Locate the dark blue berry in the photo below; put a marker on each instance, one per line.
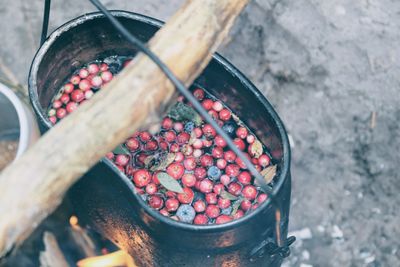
(214, 173)
(186, 213)
(189, 126)
(229, 128)
(226, 211)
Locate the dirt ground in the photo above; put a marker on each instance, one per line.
(332, 71)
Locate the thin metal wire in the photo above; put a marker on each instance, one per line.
(186, 93)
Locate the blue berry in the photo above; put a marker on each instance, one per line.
(229, 128)
(214, 173)
(186, 213)
(226, 211)
(189, 126)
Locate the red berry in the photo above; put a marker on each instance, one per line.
(167, 123)
(234, 189)
(264, 160)
(200, 219)
(121, 160)
(244, 177)
(84, 85)
(53, 119)
(209, 131)
(199, 94)
(75, 79)
(151, 188)
(221, 164)
(154, 178)
(245, 204)
(213, 114)
(207, 143)
(217, 106)
(151, 145)
(198, 132)
(170, 194)
(225, 114)
(188, 180)
(197, 153)
(230, 156)
(183, 138)
(220, 141)
(179, 157)
(83, 73)
(223, 219)
(197, 143)
(110, 155)
(175, 170)
(178, 126)
(250, 139)
(218, 188)
(224, 203)
(199, 205)
(211, 198)
(239, 143)
(145, 136)
(65, 98)
(174, 148)
(190, 164)
(241, 132)
(206, 186)
(240, 162)
(164, 212)
(171, 204)
(207, 104)
(217, 152)
(120, 168)
(88, 94)
(156, 202)
(225, 179)
(232, 170)
(132, 144)
(187, 196)
(103, 67)
(93, 68)
(200, 173)
(212, 211)
(141, 178)
(106, 76)
(163, 145)
(206, 161)
(238, 214)
(61, 113)
(71, 106)
(57, 104)
(170, 136)
(77, 95)
(262, 197)
(68, 88)
(96, 81)
(254, 206)
(249, 192)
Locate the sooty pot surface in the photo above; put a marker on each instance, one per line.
(105, 198)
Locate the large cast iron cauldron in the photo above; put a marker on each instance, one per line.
(106, 199)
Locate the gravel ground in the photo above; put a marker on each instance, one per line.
(331, 69)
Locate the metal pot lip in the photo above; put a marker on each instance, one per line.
(285, 170)
(23, 119)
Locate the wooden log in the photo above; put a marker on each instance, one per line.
(33, 186)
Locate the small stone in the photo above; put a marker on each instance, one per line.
(336, 232)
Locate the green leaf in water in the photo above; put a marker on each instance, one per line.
(181, 112)
(121, 150)
(227, 195)
(169, 183)
(236, 205)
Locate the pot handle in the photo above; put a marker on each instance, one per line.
(45, 23)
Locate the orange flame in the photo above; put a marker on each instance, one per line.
(115, 259)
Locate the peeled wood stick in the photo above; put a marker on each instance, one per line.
(33, 186)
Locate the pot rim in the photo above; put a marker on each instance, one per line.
(285, 169)
(23, 120)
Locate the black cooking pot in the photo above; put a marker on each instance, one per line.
(105, 198)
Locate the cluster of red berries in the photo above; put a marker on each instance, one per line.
(216, 186)
(82, 85)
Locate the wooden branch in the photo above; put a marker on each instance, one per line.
(33, 186)
(52, 255)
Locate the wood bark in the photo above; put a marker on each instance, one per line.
(34, 185)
